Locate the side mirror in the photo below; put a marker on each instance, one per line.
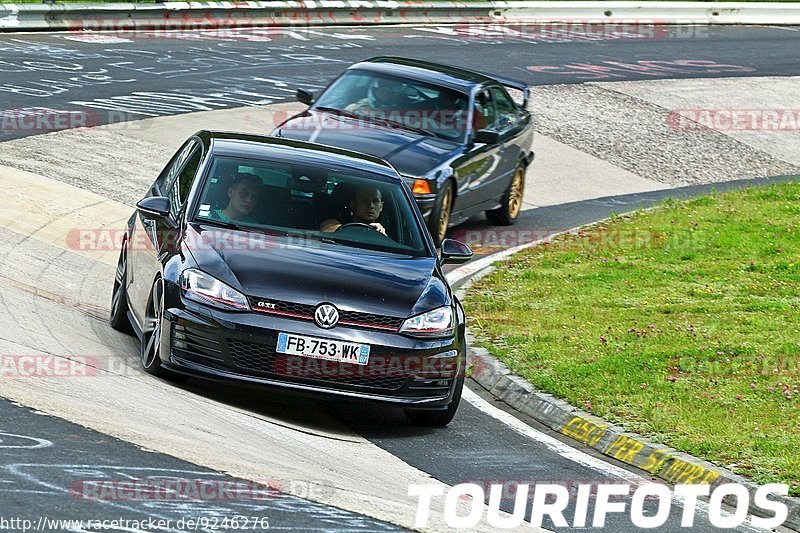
(154, 207)
(455, 252)
(486, 137)
(304, 96)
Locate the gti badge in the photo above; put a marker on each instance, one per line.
(326, 316)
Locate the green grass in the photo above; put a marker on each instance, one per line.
(681, 324)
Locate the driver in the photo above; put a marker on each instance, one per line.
(365, 208)
(379, 96)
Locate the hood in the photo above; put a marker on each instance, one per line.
(411, 153)
(272, 267)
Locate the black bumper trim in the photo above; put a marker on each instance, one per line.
(191, 368)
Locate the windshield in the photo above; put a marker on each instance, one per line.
(343, 207)
(439, 111)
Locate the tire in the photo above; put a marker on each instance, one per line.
(507, 213)
(438, 419)
(119, 297)
(151, 331)
(440, 217)
(151, 336)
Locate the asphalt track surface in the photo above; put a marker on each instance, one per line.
(124, 76)
(64, 472)
(128, 77)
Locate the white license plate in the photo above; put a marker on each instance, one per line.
(331, 350)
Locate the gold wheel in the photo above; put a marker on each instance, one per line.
(444, 214)
(515, 194)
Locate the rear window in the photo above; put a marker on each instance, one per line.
(341, 207)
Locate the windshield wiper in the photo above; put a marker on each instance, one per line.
(223, 224)
(337, 111)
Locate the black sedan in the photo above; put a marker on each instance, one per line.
(295, 266)
(457, 136)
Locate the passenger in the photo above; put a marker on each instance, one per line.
(365, 208)
(243, 196)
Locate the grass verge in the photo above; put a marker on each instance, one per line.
(681, 324)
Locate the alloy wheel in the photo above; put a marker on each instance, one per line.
(515, 194)
(444, 215)
(151, 338)
(119, 281)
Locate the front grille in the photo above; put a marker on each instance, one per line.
(196, 342)
(306, 312)
(263, 359)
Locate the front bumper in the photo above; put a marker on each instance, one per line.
(208, 343)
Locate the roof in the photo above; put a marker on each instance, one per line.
(254, 145)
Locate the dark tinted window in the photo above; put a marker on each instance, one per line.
(505, 107)
(181, 186)
(435, 109)
(338, 206)
(170, 174)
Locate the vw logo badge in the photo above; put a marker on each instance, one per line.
(326, 316)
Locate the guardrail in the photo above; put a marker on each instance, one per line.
(282, 13)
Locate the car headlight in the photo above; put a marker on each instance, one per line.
(436, 323)
(206, 289)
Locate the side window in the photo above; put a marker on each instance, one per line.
(506, 108)
(181, 186)
(485, 115)
(170, 174)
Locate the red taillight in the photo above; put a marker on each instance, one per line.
(421, 187)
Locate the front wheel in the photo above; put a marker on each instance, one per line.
(151, 336)
(429, 418)
(440, 217)
(511, 203)
(119, 298)
(151, 331)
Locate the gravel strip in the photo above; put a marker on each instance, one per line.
(635, 135)
(620, 129)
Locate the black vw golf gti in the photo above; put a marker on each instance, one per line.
(295, 266)
(459, 139)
